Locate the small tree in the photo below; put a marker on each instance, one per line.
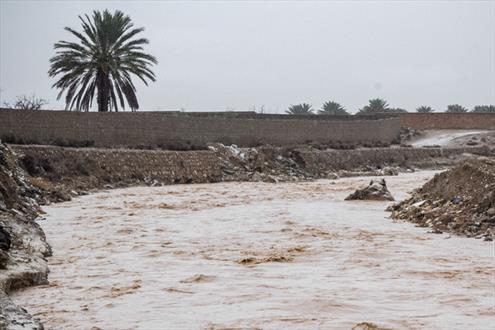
(332, 108)
(25, 102)
(484, 108)
(375, 106)
(456, 108)
(424, 109)
(300, 109)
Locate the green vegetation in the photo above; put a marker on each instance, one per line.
(424, 109)
(375, 106)
(300, 109)
(484, 108)
(332, 108)
(102, 62)
(397, 110)
(456, 108)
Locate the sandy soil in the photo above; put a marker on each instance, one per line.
(256, 255)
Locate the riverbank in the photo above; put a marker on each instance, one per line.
(61, 173)
(23, 246)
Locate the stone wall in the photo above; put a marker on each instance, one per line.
(183, 131)
(448, 120)
(94, 167)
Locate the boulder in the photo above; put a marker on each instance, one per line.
(376, 191)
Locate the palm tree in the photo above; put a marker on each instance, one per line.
(484, 108)
(102, 62)
(332, 108)
(424, 109)
(396, 110)
(456, 108)
(300, 109)
(375, 106)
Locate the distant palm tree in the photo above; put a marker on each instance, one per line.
(375, 106)
(484, 108)
(424, 109)
(396, 110)
(456, 108)
(300, 109)
(102, 62)
(332, 108)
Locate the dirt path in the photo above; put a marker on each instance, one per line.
(256, 255)
(448, 138)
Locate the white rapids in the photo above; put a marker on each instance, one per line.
(256, 255)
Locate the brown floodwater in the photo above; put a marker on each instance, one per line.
(256, 255)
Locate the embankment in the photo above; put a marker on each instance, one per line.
(23, 247)
(60, 172)
(460, 200)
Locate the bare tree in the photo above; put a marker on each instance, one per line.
(27, 102)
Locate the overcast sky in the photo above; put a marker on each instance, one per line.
(240, 55)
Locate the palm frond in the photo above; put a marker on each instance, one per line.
(103, 60)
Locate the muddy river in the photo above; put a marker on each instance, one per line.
(256, 255)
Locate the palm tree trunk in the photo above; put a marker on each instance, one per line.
(103, 90)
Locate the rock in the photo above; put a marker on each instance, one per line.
(256, 177)
(491, 211)
(23, 247)
(376, 190)
(270, 179)
(389, 171)
(4, 257)
(5, 239)
(456, 200)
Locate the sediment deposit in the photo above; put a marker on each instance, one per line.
(460, 200)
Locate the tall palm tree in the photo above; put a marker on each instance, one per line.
(101, 62)
(332, 108)
(300, 109)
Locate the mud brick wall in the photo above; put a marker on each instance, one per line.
(448, 120)
(182, 131)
